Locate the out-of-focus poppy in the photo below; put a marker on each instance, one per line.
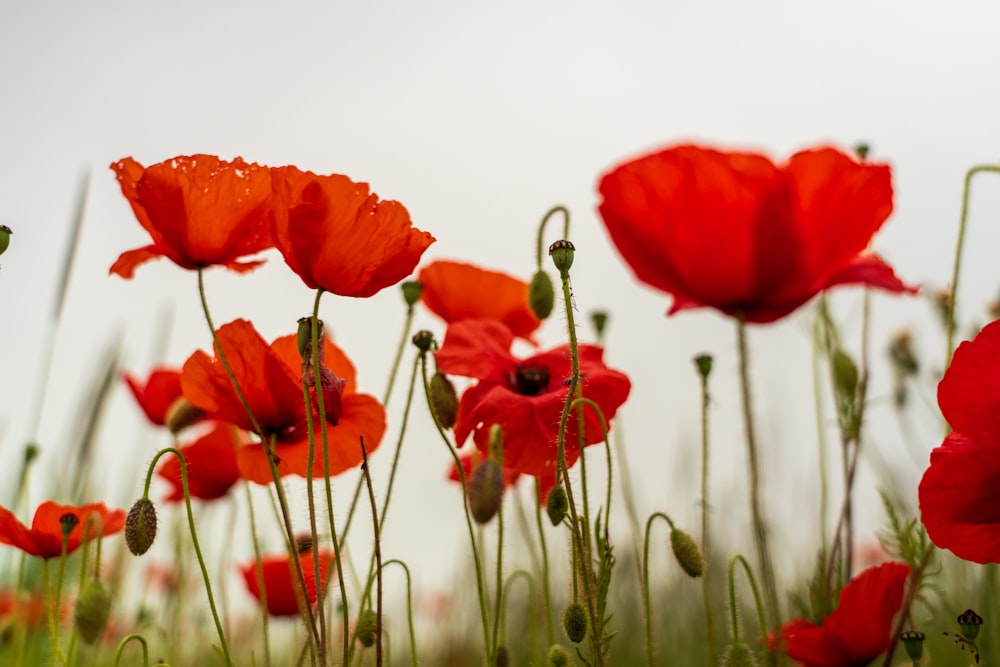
(456, 291)
(270, 377)
(199, 210)
(45, 537)
(211, 464)
(280, 580)
(338, 236)
(736, 232)
(471, 459)
(960, 491)
(158, 395)
(526, 396)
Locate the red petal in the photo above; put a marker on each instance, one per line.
(478, 349)
(16, 534)
(867, 606)
(969, 394)
(211, 465)
(161, 389)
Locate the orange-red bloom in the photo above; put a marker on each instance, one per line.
(455, 291)
(270, 377)
(339, 237)
(736, 232)
(199, 210)
(525, 396)
(45, 537)
(157, 394)
(211, 465)
(859, 629)
(280, 580)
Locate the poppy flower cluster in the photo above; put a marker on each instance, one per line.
(736, 232)
(960, 491)
(202, 211)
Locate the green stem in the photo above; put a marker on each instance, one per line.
(647, 607)
(259, 572)
(520, 574)
(706, 586)
(378, 558)
(409, 606)
(959, 246)
(142, 642)
(540, 242)
(546, 591)
(758, 603)
(824, 492)
(498, 600)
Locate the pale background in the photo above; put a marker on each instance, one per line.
(479, 117)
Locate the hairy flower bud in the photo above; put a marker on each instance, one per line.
(367, 627)
(541, 294)
(92, 611)
(485, 490)
(703, 362)
(557, 504)
(558, 656)
(140, 526)
(575, 622)
(686, 552)
(444, 400)
(738, 655)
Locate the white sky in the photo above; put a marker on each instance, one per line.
(479, 117)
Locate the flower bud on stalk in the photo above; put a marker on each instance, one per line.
(140, 526)
(412, 290)
(423, 339)
(92, 611)
(367, 627)
(686, 552)
(557, 504)
(558, 656)
(541, 294)
(738, 655)
(575, 622)
(444, 400)
(486, 491)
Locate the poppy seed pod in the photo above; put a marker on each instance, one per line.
(444, 400)
(541, 294)
(575, 622)
(970, 622)
(557, 504)
(5, 233)
(599, 319)
(367, 627)
(562, 253)
(92, 611)
(686, 552)
(738, 655)
(412, 290)
(423, 339)
(558, 656)
(913, 642)
(140, 526)
(485, 491)
(703, 362)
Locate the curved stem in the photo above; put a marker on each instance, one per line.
(540, 243)
(142, 642)
(758, 603)
(647, 607)
(522, 574)
(409, 606)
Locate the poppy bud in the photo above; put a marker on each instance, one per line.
(503, 659)
(485, 491)
(703, 362)
(92, 611)
(367, 627)
(140, 526)
(5, 233)
(913, 642)
(557, 504)
(599, 319)
(575, 622)
(562, 256)
(412, 290)
(970, 622)
(30, 452)
(845, 373)
(686, 552)
(738, 655)
(444, 400)
(541, 294)
(423, 340)
(181, 414)
(303, 336)
(558, 656)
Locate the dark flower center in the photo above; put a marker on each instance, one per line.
(531, 380)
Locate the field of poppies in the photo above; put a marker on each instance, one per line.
(272, 426)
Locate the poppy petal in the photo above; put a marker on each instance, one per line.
(969, 394)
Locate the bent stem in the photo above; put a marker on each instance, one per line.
(769, 657)
(409, 606)
(540, 241)
(520, 574)
(135, 636)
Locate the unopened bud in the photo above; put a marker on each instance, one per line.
(970, 623)
(367, 627)
(686, 552)
(181, 414)
(541, 294)
(412, 291)
(901, 354)
(423, 339)
(30, 453)
(140, 526)
(92, 611)
(599, 319)
(913, 642)
(562, 253)
(558, 656)
(485, 490)
(444, 400)
(557, 504)
(738, 655)
(575, 622)
(845, 373)
(495, 449)
(303, 336)
(5, 233)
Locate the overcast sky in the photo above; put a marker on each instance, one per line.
(478, 117)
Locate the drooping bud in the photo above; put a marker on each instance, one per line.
(5, 233)
(181, 414)
(703, 362)
(562, 253)
(558, 656)
(423, 339)
(485, 490)
(503, 659)
(970, 623)
(140, 526)
(444, 399)
(913, 642)
(541, 294)
(92, 611)
(412, 290)
(686, 552)
(367, 627)
(557, 504)
(738, 655)
(575, 622)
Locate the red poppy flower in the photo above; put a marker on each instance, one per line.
(470, 460)
(735, 232)
(859, 629)
(211, 465)
(157, 394)
(525, 396)
(270, 377)
(455, 291)
(339, 237)
(200, 211)
(960, 491)
(45, 536)
(279, 575)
